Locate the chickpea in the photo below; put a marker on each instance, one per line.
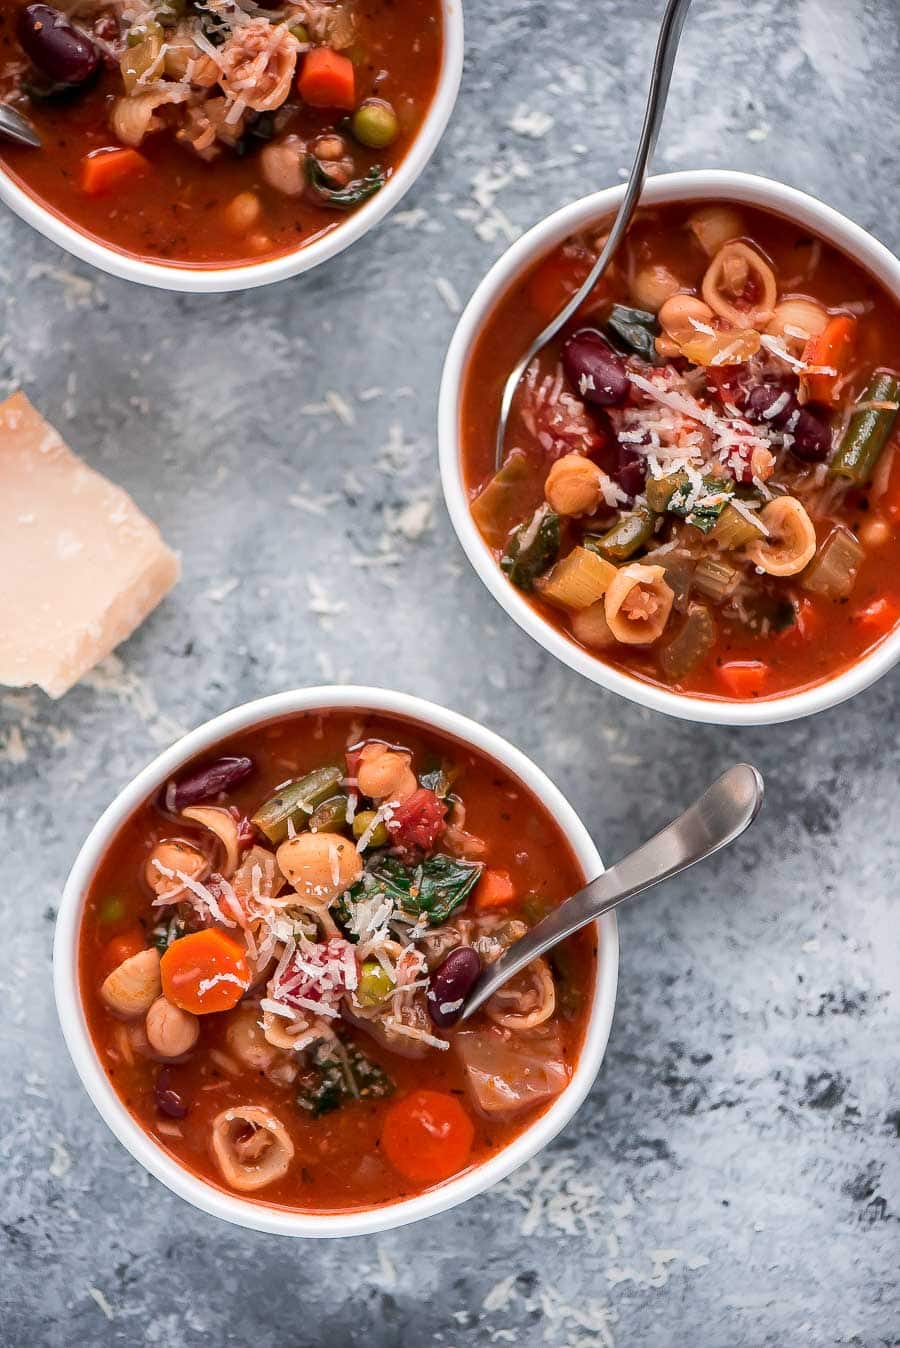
(385, 774)
(589, 626)
(653, 285)
(247, 1042)
(171, 854)
(242, 212)
(132, 988)
(283, 165)
(170, 1030)
(330, 148)
(874, 533)
(678, 317)
(574, 486)
(320, 865)
(801, 316)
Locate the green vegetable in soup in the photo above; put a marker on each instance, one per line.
(338, 1074)
(868, 432)
(330, 816)
(300, 32)
(833, 570)
(690, 644)
(164, 933)
(629, 533)
(363, 821)
(676, 494)
(375, 124)
(715, 578)
(506, 497)
(435, 888)
(296, 802)
(343, 198)
(112, 909)
(632, 330)
(532, 548)
(375, 984)
(733, 530)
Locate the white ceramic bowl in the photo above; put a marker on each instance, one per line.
(543, 237)
(216, 280)
(94, 1078)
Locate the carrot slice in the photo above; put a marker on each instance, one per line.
(833, 348)
(879, 616)
(204, 972)
(744, 678)
(494, 890)
(427, 1136)
(102, 171)
(327, 80)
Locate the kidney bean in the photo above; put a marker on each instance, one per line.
(55, 45)
(168, 1101)
(597, 372)
(762, 397)
(451, 983)
(207, 782)
(812, 438)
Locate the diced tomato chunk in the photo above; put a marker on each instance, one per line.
(744, 678)
(418, 822)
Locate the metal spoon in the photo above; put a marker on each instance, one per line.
(721, 814)
(16, 127)
(663, 61)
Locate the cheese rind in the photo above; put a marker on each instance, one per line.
(80, 565)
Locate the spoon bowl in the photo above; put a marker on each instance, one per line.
(17, 128)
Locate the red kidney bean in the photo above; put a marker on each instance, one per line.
(168, 1101)
(597, 372)
(812, 438)
(762, 397)
(451, 983)
(207, 782)
(55, 45)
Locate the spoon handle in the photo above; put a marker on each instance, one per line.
(17, 128)
(721, 814)
(660, 78)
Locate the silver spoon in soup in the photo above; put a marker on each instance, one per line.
(663, 61)
(724, 811)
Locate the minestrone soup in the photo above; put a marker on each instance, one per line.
(701, 483)
(275, 949)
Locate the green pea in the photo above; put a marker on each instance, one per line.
(300, 32)
(374, 123)
(379, 834)
(375, 984)
(112, 909)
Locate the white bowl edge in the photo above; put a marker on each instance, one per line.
(221, 280)
(77, 1036)
(692, 185)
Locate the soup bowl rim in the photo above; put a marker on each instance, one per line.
(670, 188)
(244, 276)
(257, 1215)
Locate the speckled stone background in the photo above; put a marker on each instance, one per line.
(733, 1178)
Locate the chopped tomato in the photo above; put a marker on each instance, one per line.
(879, 616)
(494, 890)
(327, 80)
(427, 1136)
(102, 171)
(744, 678)
(832, 348)
(205, 972)
(418, 821)
(121, 948)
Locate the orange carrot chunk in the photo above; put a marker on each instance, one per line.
(494, 890)
(102, 171)
(327, 80)
(833, 348)
(427, 1136)
(204, 972)
(744, 678)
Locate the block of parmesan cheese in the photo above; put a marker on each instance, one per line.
(80, 566)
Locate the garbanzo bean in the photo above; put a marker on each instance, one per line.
(385, 774)
(320, 865)
(574, 486)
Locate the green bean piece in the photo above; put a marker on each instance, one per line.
(733, 530)
(362, 821)
(296, 802)
(112, 909)
(693, 640)
(532, 548)
(375, 124)
(330, 816)
(868, 431)
(715, 578)
(660, 490)
(375, 984)
(628, 534)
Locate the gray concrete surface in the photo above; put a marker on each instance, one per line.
(733, 1178)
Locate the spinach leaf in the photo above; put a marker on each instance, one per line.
(343, 198)
(436, 887)
(336, 1076)
(632, 330)
(702, 516)
(531, 548)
